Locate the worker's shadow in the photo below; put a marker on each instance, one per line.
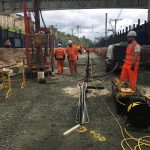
(51, 82)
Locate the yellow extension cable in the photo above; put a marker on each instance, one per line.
(140, 141)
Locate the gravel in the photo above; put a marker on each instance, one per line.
(35, 117)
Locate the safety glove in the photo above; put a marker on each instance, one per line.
(132, 66)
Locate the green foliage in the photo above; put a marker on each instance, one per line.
(63, 38)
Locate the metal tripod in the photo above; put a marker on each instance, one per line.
(89, 70)
(82, 114)
(88, 67)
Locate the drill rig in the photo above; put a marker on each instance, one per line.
(39, 41)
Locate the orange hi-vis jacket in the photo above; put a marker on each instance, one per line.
(72, 53)
(130, 54)
(59, 53)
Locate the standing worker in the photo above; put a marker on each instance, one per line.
(60, 57)
(72, 55)
(130, 68)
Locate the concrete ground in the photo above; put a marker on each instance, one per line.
(36, 117)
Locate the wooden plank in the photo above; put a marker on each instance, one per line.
(6, 66)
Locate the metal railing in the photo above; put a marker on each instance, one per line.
(143, 35)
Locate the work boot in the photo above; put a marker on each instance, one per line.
(124, 85)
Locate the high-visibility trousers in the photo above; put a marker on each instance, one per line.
(60, 66)
(129, 76)
(72, 66)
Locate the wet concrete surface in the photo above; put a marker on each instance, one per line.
(35, 118)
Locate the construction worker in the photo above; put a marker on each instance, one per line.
(60, 57)
(7, 44)
(130, 68)
(72, 55)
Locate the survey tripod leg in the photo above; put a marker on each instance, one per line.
(23, 78)
(82, 114)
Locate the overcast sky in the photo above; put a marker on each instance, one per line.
(92, 21)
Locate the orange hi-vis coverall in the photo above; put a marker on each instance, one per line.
(60, 57)
(72, 54)
(128, 75)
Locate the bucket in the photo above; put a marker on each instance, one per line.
(40, 75)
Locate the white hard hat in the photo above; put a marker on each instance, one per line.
(59, 44)
(69, 42)
(131, 33)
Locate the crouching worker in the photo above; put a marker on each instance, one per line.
(60, 57)
(129, 72)
(7, 44)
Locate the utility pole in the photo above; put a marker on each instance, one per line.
(72, 31)
(92, 33)
(148, 10)
(78, 26)
(106, 31)
(115, 20)
(92, 28)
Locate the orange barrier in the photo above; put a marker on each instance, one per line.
(101, 51)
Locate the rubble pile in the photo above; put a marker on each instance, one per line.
(74, 91)
(11, 56)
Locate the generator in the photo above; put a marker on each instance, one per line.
(115, 54)
(135, 106)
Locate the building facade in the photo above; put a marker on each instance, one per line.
(14, 22)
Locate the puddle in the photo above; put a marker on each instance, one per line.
(72, 91)
(91, 92)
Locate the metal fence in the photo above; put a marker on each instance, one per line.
(16, 39)
(143, 35)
